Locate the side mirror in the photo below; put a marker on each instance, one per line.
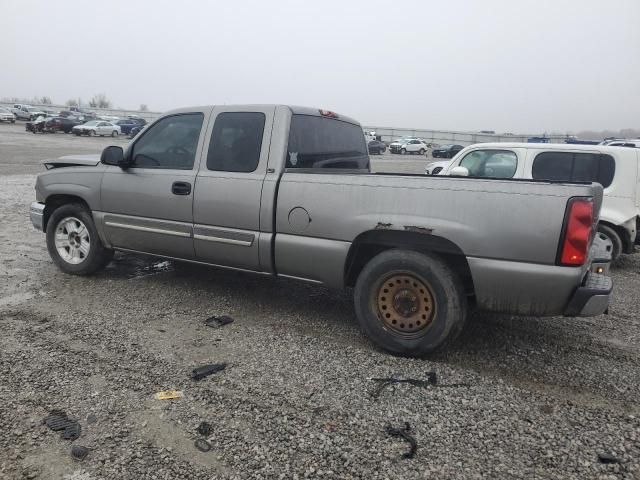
(113, 155)
(459, 172)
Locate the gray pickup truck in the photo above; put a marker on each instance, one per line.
(287, 191)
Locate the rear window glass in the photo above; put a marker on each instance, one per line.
(319, 143)
(574, 167)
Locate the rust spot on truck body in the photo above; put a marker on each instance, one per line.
(416, 229)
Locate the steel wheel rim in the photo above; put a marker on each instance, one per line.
(405, 304)
(72, 240)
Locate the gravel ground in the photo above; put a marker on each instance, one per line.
(527, 398)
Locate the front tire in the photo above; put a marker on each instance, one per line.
(403, 151)
(91, 133)
(422, 150)
(410, 303)
(612, 235)
(73, 242)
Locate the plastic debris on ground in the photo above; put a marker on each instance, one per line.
(204, 371)
(57, 420)
(404, 433)
(204, 429)
(218, 321)
(79, 452)
(169, 395)
(202, 445)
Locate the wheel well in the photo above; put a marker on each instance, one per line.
(55, 201)
(623, 234)
(369, 244)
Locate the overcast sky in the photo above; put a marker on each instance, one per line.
(504, 65)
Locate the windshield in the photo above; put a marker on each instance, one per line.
(446, 147)
(32, 109)
(92, 122)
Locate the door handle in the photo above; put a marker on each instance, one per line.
(181, 188)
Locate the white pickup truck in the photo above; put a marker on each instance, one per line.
(287, 191)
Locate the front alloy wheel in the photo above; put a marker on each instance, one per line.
(72, 240)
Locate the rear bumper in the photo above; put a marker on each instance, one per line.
(36, 212)
(592, 298)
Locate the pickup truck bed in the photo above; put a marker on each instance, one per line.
(287, 191)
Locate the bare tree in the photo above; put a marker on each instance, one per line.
(143, 107)
(100, 100)
(44, 100)
(73, 102)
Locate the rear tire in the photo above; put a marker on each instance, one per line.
(410, 303)
(612, 235)
(114, 133)
(73, 242)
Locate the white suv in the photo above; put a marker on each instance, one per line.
(414, 145)
(616, 168)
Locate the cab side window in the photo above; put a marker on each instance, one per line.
(236, 141)
(491, 163)
(170, 143)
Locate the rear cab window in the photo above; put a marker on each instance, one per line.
(574, 167)
(319, 143)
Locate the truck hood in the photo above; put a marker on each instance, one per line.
(87, 160)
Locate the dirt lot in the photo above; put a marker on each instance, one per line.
(516, 397)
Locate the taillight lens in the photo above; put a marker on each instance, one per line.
(578, 230)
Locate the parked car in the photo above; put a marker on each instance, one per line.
(127, 125)
(377, 147)
(288, 191)
(36, 125)
(60, 124)
(135, 131)
(410, 146)
(7, 115)
(633, 143)
(83, 113)
(434, 168)
(26, 112)
(137, 119)
(97, 127)
(616, 169)
(446, 151)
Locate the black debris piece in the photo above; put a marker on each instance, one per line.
(217, 322)
(404, 433)
(202, 445)
(430, 381)
(79, 452)
(200, 372)
(57, 420)
(72, 431)
(608, 458)
(204, 429)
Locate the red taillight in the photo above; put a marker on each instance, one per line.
(577, 234)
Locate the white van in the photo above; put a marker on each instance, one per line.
(616, 168)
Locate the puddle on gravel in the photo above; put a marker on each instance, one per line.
(131, 266)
